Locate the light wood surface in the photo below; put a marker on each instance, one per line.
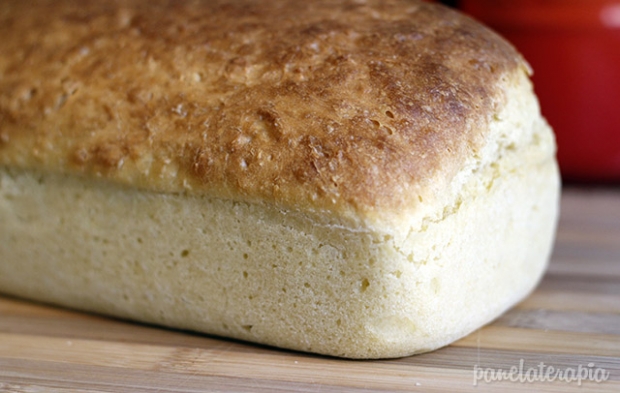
(571, 320)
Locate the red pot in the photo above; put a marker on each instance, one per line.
(574, 48)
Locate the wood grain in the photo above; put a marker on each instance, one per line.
(572, 320)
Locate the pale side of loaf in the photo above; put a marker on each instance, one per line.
(362, 179)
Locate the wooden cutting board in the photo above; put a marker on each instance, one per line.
(572, 320)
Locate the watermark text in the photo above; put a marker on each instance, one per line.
(541, 373)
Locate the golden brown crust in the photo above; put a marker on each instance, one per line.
(354, 105)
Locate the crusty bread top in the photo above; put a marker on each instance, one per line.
(333, 105)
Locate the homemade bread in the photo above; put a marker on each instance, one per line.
(362, 179)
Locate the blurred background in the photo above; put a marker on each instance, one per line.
(574, 48)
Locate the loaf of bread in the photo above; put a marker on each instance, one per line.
(357, 178)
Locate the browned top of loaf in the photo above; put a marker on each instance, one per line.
(354, 105)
